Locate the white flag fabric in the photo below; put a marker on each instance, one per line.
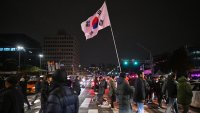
(96, 22)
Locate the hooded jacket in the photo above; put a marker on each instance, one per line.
(184, 94)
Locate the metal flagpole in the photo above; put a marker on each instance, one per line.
(115, 49)
(114, 43)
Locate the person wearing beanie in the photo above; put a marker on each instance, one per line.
(61, 98)
(12, 97)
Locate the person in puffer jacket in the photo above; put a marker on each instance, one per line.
(184, 94)
(61, 98)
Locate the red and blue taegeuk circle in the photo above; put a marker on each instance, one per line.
(95, 22)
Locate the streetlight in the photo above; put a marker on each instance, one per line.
(19, 48)
(40, 56)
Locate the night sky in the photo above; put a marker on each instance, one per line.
(158, 25)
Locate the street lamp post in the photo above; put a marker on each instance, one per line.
(19, 48)
(41, 56)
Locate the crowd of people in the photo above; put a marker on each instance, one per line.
(127, 90)
(58, 94)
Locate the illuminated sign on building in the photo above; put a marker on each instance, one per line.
(195, 75)
(7, 49)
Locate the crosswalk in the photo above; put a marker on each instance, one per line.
(88, 104)
(88, 107)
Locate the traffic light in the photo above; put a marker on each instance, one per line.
(125, 62)
(135, 63)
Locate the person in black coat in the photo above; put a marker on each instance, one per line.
(76, 86)
(171, 88)
(45, 87)
(23, 85)
(61, 98)
(140, 89)
(37, 90)
(158, 90)
(11, 97)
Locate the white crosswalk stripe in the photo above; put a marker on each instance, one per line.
(37, 101)
(86, 103)
(115, 110)
(93, 111)
(38, 107)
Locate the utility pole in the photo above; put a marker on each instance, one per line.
(150, 56)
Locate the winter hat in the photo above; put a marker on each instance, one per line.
(60, 76)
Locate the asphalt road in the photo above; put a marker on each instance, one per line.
(89, 105)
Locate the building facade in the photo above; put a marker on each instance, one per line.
(62, 51)
(194, 53)
(9, 53)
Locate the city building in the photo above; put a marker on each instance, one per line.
(162, 63)
(194, 53)
(10, 55)
(62, 51)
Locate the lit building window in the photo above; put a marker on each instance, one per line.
(6, 49)
(196, 52)
(1, 49)
(13, 49)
